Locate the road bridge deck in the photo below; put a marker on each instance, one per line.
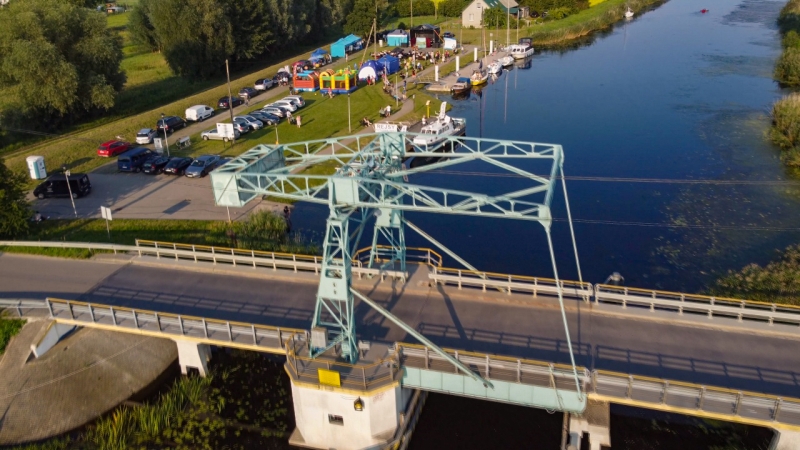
(491, 322)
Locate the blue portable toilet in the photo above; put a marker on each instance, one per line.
(391, 63)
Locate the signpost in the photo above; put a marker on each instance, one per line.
(159, 145)
(106, 213)
(69, 188)
(225, 130)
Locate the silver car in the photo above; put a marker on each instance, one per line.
(274, 111)
(146, 135)
(254, 123)
(201, 166)
(296, 100)
(286, 104)
(214, 135)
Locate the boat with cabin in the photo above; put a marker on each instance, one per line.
(439, 129)
(462, 84)
(521, 50)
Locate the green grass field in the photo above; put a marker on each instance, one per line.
(418, 20)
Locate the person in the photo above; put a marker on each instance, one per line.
(286, 212)
(298, 121)
(289, 116)
(246, 100)
(424, 121)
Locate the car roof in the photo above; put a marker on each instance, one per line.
(107, 143)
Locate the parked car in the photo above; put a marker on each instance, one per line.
(247, 92)
(199, 113)
(214, 135)
(221, 163)
(283, 108)
(449, 34)
(177, 166)
(267, 119)
(223, 102)
(263, 84)
(132, 160)
(296, 100)
(155, 164)
(170, 123)
(112, 148)
(274, 111)
(56, 186)
(285, 104)
(146, 135)
(254, 123)
(202, 165)
(241, 125)
(282, 77)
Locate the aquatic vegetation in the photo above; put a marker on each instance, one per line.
(785, 131)
(778, 281)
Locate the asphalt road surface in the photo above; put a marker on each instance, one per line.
(715, 357)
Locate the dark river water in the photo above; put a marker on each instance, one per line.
(677, 100)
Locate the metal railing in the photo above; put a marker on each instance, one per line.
(712, 307)
(510, 283)
(745, 312)
(740, 406)
(360, 376)
(418, 255)
(213, 331)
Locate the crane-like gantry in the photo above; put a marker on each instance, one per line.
(372, 182)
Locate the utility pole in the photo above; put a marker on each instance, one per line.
(164, 127)
(412, 18)
(349, 126)
(230, 102)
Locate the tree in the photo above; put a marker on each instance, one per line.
(141, 28)
(360, 19)
(57, 59)
(494, 18)
(14, 208)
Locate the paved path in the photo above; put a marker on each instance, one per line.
(490, 322)
(84, 376)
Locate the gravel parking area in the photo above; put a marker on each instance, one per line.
(142, 196)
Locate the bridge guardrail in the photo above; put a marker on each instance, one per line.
(419, 255)
(510, 283)
(741, 310)
(212, 331)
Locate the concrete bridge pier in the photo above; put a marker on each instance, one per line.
(785, 440)
(193, 355)
(596, 422)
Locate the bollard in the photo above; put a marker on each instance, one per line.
(475, 54)
(491, 47)
(436, 73)
(458, 63)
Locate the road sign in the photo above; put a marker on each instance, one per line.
(159, 145)
(225, 130)
(105, 212)
(329, 377)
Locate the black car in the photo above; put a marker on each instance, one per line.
(170, 123)
(449, 34)
(223, 102)
(247, 92)
(155, 164)
(56, 186)
(268, 119)
(177, 166)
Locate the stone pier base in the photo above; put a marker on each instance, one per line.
(785, 440)
(192, 355)
(596, 422)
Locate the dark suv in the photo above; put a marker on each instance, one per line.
(170, 123)
(56, 186)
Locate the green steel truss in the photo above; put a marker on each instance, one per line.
(371, 183)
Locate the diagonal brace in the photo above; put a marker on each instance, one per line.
(423, 339)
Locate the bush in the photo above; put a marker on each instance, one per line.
(559, 13)
(785, 130)
(789, 18)
(402, 26)
(791, 40)
(777, 282)
(787, 69)
(8, 329)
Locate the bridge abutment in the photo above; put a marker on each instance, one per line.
(193, 355)
(785, 440)
(595, 421)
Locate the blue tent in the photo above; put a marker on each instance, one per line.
(347, 44)
(373, 70)
(397, 38)
(391, 64)
(319, 52)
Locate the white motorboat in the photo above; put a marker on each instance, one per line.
(506, 61)
(628, 13)
(479, 76)
(494, 68)
(520, 51)
(439, 129)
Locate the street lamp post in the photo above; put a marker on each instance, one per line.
(349, 127)
(164, 127)
(69, 188)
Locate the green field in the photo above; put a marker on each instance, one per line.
(418, 20)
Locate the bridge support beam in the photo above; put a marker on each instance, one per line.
(328, 417)
(596, 422)
(785, 440)
(192, 355)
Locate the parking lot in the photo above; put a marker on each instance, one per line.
(142, 196)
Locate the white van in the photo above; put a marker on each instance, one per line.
(199, 113)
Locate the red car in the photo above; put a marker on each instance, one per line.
(113, 148)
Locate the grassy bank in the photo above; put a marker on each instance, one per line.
(785, 130)
(261, 231)
(787, 68)
(244, 403)
(8, 329)
(778, 281)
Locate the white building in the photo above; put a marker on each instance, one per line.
(472, 14)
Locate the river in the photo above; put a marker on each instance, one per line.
(675, 98)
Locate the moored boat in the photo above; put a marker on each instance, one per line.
(506, 61)
(520, 51)
(439, 129)
(462, 84)
(479, 76)
(495, 68)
